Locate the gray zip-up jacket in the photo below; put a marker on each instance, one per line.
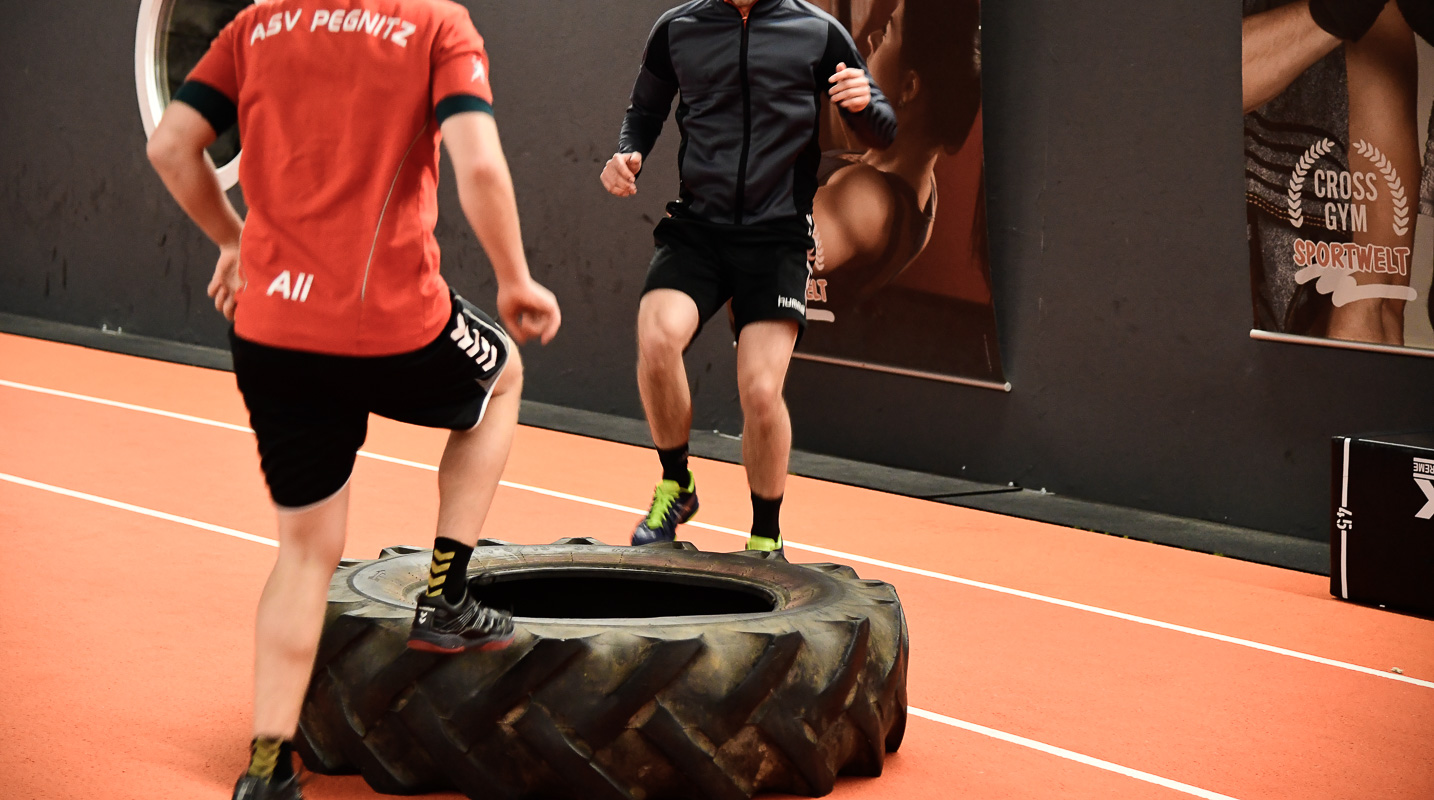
(750, 98)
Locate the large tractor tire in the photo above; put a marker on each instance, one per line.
(638, 673)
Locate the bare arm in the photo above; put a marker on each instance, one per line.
(853, 212)
(1383, 76)
(177, 152)
(1276, 47)
(485, 190)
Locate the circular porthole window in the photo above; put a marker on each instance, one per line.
(171, 38)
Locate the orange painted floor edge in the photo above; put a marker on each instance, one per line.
(1154, 700)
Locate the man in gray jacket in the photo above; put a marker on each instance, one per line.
(749, 76)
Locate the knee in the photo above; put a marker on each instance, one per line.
(318, 548)
(322, 554)
(661, 338)
(512, 378)
(761, 398)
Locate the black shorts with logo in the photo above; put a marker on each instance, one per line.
(763, 269)
(309, 411)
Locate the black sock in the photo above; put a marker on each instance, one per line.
(674, 464)
(765, 515)
(271, 758)
(448, 574)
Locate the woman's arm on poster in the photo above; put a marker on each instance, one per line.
(1383, 81)
(854, 213)
(1277, 46)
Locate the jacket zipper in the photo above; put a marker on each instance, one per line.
(746, 124)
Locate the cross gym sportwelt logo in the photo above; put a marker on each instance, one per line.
(1346, 196)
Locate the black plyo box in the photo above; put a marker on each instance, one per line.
(1382, 521)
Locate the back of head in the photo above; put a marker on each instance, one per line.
(941, 42)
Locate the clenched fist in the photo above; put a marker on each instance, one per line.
(529, 311)
(620, 175)
(852, 89)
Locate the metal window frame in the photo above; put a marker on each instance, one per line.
(150, 78)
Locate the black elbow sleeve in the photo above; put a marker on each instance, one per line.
(216, 108)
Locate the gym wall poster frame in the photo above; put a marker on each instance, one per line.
(1339, 183)
(901, 274)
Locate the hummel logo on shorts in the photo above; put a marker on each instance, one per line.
(792, 303)
(472, 342)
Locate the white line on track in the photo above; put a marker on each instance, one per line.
(148, 512)
(837, 554)
(213, 423)
(1068, 754)
(972, 727)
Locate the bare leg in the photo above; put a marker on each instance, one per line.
(291, 609)
(474, 460)
(666, 322)
(764, 351)
(291, 612)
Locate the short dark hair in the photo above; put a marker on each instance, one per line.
(941, 42)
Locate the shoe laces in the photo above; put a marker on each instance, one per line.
(663, 499)
(479, 617)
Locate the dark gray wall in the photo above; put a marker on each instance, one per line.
(1116, 192)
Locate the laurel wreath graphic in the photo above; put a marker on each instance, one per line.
(1317, 151)
(1391, 179)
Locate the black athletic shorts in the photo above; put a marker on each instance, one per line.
(763, 268)
(309, 411)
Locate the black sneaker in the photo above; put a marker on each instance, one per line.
(672, 505)
(254, 787)
(442, 628)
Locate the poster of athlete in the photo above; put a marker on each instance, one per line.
(1339, 186)
(900, 277)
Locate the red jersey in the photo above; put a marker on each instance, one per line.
(338, 108)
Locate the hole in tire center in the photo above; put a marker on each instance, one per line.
(618, 596)
(192, 27)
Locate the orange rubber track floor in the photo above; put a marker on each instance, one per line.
(1047, 662)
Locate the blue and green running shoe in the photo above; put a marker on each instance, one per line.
(672, 505)
(768, 545)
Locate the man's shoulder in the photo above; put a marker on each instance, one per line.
(245, 15)
(436, 9)
(683, 10)
(805, 8)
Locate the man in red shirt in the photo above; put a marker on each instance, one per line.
(339, 310)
